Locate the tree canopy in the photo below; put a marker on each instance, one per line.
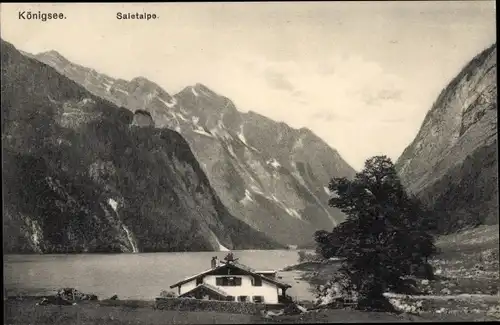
(385, 235)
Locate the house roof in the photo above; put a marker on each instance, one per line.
(236, 266)
(208, 287)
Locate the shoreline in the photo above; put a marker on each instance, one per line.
(310, 265)
(141, 253)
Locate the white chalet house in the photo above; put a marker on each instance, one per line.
(232, 281)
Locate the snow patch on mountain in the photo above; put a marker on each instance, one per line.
(182, 117)
(293, 213)
(248, 198)
(195, 119)
(273, 162)
(231, 151)
(194, 92)
(255, 189)
(122, 91)
(201, 131)
(107, 86)
(113, 204)
(169, 104)
(241, 136)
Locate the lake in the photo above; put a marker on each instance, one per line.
(132, 276)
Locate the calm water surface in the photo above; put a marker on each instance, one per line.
(132, 276)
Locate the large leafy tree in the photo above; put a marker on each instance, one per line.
(385, 236)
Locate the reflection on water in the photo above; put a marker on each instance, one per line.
(132, 276)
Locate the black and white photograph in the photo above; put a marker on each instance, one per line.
(249, 162)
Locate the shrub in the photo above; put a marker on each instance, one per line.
(308, 257)
(168, 294)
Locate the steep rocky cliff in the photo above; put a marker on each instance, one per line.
(269, 175)
(452, 164)
(83, 175)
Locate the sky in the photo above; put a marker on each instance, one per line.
(361, 75)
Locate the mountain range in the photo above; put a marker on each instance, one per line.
(269, 175)
(97, 164)
(81, 174)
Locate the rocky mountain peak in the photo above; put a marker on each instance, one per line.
(142, 84)
(57, 59)
(201, 87)
(53, 54)
(198, 90)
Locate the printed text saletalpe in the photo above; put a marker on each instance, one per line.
(135, 16)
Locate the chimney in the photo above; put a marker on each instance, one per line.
(216, 261)
(212, 262)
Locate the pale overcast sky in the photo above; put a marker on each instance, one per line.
(360, 75)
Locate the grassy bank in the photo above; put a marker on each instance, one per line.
(142, 312)
(111, 312)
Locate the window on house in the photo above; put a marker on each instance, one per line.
(199, 281)
(258, 299)
(257, 282)
(230, 298)
(228, 281)
(242, 298)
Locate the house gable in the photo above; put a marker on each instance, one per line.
(230, 269)
(204, 291)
